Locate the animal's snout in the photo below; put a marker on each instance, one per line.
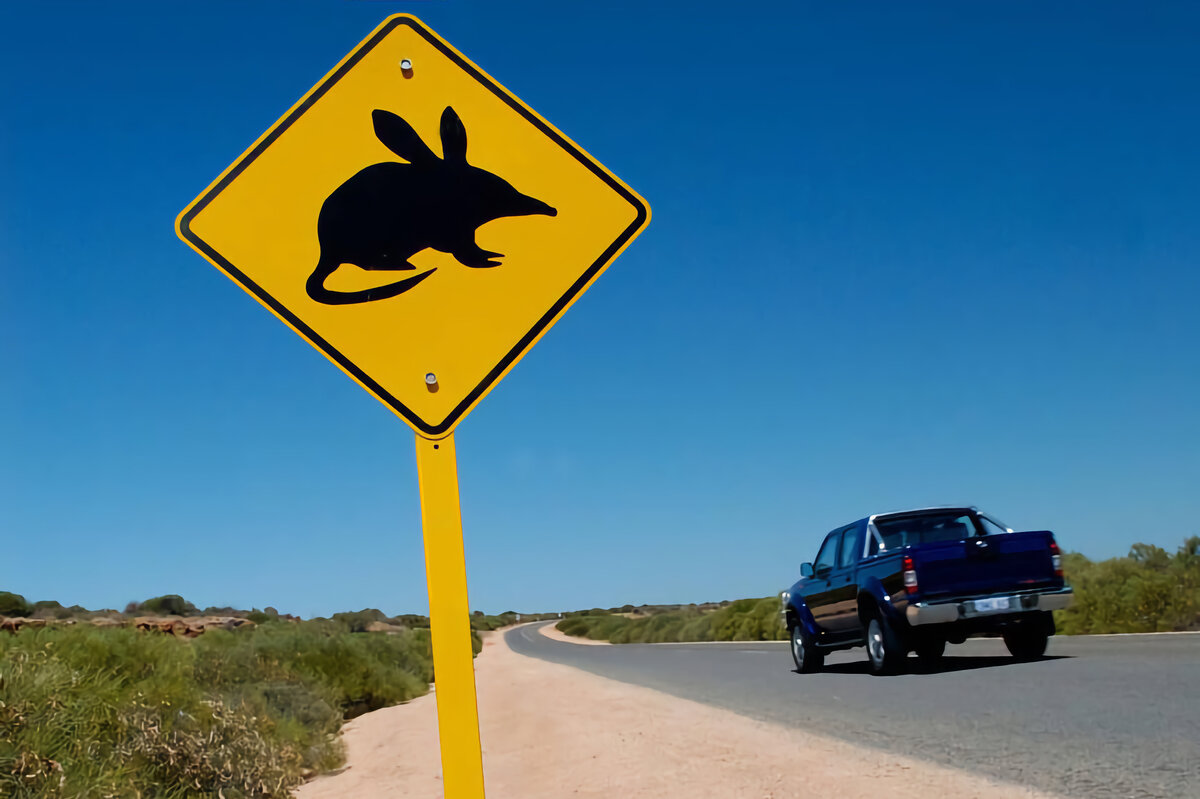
(532, 206)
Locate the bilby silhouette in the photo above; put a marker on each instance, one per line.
(387, 212)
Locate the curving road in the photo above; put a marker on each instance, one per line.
(1100, 718)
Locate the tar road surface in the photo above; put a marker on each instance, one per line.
(1100, 717)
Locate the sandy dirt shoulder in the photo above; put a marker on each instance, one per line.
(551, 731)
(550, 632)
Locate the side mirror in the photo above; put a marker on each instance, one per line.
(806, 570)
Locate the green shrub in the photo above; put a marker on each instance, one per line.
(480, 621)
(168, 605)
(743, 620)
(1149, 590)
(358, 621)
(574, 625)
(14, 605)
(87, 712)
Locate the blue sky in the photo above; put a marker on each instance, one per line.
(901, 254)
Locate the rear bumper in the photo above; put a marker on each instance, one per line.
(921, 613)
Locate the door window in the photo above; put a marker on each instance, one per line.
(827, 557)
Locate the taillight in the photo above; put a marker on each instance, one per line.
(910, 576)
(1056, 559)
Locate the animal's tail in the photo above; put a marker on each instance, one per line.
(316, 287)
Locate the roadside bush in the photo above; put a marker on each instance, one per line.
(482, 622)
(113, 713)
(88, 712)
(357, 622)
(743, 620)
(1149, 590)
(574, 625)
(167, 605)
(592, 612)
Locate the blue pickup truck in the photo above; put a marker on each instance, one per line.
(917, 580)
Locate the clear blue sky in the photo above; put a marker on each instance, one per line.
(901, 254)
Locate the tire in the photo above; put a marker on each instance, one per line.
(930, 651)
(805, 654)
(885, 652)
(1026, 641)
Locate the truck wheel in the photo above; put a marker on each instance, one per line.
(930, 650)
(1026, 641)
(884, 650)
(805, 653)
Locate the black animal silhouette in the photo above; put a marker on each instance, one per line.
(387, 212)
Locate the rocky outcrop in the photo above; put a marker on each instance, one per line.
(189, 626)
(181, 626)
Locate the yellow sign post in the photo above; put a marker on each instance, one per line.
(450, 619)
(423, 228)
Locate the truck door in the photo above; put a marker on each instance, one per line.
(816, 589)
(843, 584)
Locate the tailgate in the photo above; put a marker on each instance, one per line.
(993, 564)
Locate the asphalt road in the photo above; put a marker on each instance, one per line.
(1099, 718)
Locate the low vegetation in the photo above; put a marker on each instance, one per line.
(166, 700)
(90, 711)
(742, 620)
(1149, 590)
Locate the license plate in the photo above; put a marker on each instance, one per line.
(991, 604)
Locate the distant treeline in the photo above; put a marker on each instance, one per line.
(741, 620)
(370, 620)
(1149, 590)
(15, 605)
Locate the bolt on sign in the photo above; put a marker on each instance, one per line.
(416, 222)
(423, 228)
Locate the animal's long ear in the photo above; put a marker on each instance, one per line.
(454, 137)
(400, 138)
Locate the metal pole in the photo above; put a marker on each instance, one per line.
(449, 620)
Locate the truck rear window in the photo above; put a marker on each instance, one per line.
(901, 531)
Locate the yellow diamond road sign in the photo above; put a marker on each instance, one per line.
(415, 222)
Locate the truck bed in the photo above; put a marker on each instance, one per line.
(992, 564)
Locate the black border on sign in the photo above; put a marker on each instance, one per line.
(323, 345)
